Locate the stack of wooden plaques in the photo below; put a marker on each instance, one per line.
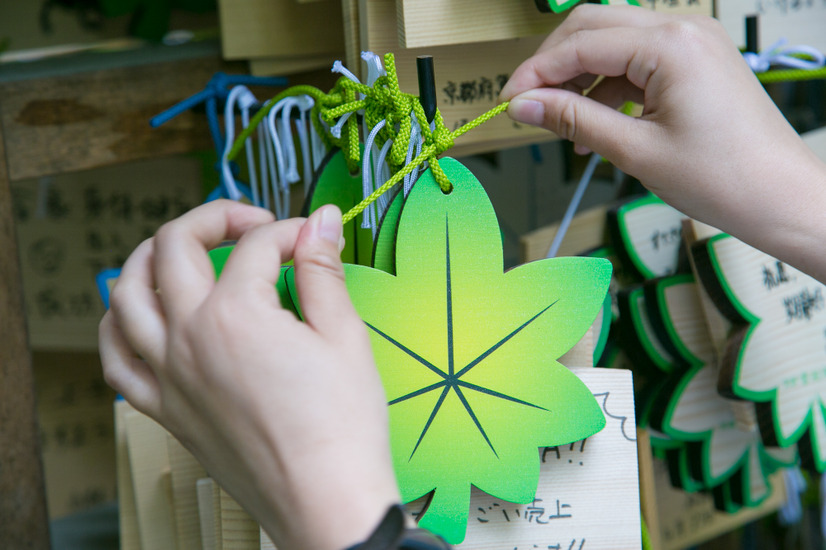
(476, 45)
(709, 473)
(588, 491)
(726, 346)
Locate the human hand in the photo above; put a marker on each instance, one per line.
(710, 141)
(289, 417)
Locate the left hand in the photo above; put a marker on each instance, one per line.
(289, 417)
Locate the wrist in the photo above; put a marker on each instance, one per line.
(392, 533)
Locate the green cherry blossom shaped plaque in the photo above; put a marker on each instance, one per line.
(468, 353)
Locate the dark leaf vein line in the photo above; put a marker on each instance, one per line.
(502, 342)
(450, 365)
(430, 420)
(407, 350)
(494, 393)
(475, 420)
(418, 392)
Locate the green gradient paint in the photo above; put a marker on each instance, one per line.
(468, 353)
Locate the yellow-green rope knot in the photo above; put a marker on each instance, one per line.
(382, 101)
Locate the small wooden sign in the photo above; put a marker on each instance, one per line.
(469, 77)
(72, 226)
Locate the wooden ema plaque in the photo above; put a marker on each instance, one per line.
(587, 497)
(774, 309)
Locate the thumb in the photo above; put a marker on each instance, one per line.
(319, 273)
(585, 121)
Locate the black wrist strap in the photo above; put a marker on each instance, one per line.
(391, 534)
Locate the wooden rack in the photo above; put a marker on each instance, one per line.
(56, 124)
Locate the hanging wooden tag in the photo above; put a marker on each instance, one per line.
(455, 398)
(775, 355)
(646, 233)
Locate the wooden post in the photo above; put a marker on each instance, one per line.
(23, 517)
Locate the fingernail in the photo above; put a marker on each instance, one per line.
(527, 111)
(581, 150)
(328, 224)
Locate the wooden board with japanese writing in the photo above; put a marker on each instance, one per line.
(468, 77)
(77, 433)
(430, 23)
(72, 226)
(588, 494)
(682, 7)
(775, 308)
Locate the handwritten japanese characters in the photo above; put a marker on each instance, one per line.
(564, 513)
(72, 226)
(776, 353)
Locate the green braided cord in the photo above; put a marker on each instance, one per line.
(394, 179)
(383, 101)
(790, 75)
(429, 153)
(646, 536)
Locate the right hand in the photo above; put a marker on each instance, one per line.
(710, 141)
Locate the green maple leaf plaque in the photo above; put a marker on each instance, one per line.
(775, 354)
(720, 450)
(468, 353)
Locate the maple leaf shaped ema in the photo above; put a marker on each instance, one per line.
(468, 354)
(775, 355)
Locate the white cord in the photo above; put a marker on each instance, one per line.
(244, 97)
(574, 204)
(368, 220)
(778, 55)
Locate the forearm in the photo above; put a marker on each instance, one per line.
(779, 207)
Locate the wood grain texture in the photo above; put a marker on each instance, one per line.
(429, 23)
(94, 119)
(350, 18)
(686, 519)
(23, 514)
(266, 542)
(264, 28)
(151, 480)
(288, 65)
(238, 530)
(587, 231)
(468, 77)
(208, 501)
(186, 471)
(130, 538)
(775, 309)
(648, 491)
